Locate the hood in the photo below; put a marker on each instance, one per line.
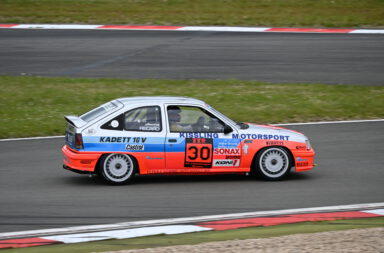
(268, 132)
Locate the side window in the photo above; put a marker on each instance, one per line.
(147, 119)
(193, 119)
(114, 124)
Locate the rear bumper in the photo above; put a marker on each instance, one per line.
(304, 160)
(81, 162)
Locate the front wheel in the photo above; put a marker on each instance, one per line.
(117, 168)
(272, 163)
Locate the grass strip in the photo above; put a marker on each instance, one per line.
(35, 106)
(307, 13)
(202, 237)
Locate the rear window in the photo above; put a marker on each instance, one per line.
(97, 112)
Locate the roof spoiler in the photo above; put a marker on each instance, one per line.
(76, 121)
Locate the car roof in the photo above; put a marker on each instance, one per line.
(160, 100)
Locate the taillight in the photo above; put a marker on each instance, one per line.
(79, 141)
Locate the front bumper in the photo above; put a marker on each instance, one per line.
(82, 162)
(304, 160)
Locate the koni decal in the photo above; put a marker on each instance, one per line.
(226, 163)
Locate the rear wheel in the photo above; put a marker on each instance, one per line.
(117, 168)
(272, 163)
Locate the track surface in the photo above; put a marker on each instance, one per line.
(35, 192)
(273, 57)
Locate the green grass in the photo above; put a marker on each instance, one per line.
(35, 106)
(202, 237)
(307, 13)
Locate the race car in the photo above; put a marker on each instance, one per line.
(177, 135)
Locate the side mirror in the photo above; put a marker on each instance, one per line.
(227, 129)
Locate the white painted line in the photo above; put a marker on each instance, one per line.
(284, 124)
(367, 31)
(376, 211)
(54, 26)
(126, 233)
(223, 29)
(187, 220)
(329, 122)
(33, 138)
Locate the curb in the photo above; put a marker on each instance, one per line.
(193, 28)
(187, 225)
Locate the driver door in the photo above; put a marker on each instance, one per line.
(196, 142)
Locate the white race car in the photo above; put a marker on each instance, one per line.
(177, 135)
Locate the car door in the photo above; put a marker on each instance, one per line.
(196, 142)
(139, 132)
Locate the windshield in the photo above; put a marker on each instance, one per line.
(239, 124)
(222, 115)
(95, 113)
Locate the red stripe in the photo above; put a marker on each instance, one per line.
(312, 30)
(286, 219)
(7, 25)
(25, 242)
(141, 27)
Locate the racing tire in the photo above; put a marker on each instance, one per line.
(272, 164)
(117, 168)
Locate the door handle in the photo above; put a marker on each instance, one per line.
(172, 140)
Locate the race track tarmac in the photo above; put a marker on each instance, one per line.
(271, 57)
(35, 192)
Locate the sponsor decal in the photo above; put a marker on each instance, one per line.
(135, 147)
(198, 152)
(274, 143)
(261, 137)
(301, 147)
(226, 163)
(153, 158)
(227, 151)
(123, 139)
(302, 164)
(245, 149)
(226, 143)
(153, 128)
(173, 171)
(248, 141)
(299, 159)
(232, 157)
(199, 135)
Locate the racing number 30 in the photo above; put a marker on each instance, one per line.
(203, 154)
(198, 152)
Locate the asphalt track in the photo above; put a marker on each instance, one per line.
(272, 57)
(35, 192)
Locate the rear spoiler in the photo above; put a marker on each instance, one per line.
(76, 121)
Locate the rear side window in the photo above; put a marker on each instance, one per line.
(97, 112)
(143, 119)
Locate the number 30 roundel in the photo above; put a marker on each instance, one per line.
(198, 153)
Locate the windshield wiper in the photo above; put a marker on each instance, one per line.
(242, 125)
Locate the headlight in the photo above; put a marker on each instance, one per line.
(308, 144)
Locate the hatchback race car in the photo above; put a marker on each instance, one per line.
(177, 135)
